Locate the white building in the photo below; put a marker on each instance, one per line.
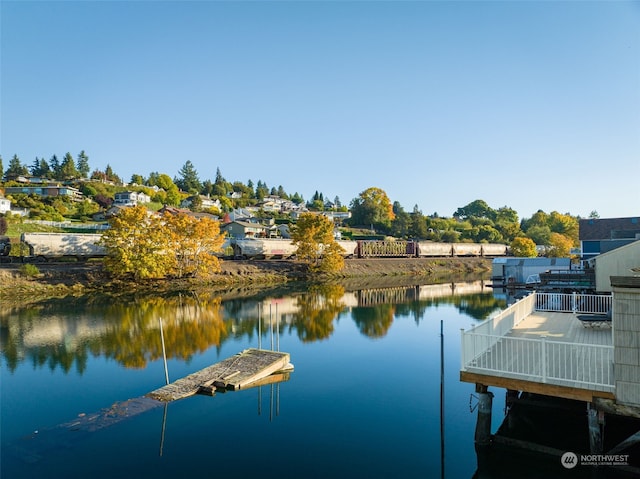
(5, 205)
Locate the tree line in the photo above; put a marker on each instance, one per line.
(371, 210)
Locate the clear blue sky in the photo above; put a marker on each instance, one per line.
(530, 105)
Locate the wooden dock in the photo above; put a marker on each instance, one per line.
(237, 372)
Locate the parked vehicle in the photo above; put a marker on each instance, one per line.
(5, 245)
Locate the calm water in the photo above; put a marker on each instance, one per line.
(364, 400)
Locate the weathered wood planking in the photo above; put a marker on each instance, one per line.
(233, 373)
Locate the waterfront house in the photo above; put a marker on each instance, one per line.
(562, 347)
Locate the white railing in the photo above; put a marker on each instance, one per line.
(486, 348)
(585, 366)
(573, 303)
(487, 333)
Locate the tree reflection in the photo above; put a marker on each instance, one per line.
(126, 331)
(375, 321)
(66, 333)
(190, 324)
(317, 310)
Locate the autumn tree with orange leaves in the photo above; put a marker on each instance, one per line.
(144, 245)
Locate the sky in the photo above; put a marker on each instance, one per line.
(532, 105)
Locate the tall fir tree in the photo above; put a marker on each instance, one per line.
(83, 165)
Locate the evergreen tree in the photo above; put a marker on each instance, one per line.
(54, 167)
(1, 169)
(207, 187)
(137, 179)
(262, 190)
(401, 223)
(83, 165)
(34, 169)
(110, 175)
(188, 179)
(16, 168)
(219, 178)
(297, 198)
(68, 169)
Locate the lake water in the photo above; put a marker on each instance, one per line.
(375, 392)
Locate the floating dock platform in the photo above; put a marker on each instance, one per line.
(237, 372)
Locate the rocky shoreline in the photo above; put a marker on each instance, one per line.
(63, 279)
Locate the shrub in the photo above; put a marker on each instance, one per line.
(29, 270)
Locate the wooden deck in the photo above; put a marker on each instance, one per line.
(548, 353)
(237, 372)
(560, 327)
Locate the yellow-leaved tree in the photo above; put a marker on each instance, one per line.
(313, 234)
(559, 246)
(195, 242)
(523, 247)
(144, 245)
(137, 245)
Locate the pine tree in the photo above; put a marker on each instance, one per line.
(83, 165)
(16, 168)
(188, 180)
(68, 169)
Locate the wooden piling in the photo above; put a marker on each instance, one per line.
(483, 424)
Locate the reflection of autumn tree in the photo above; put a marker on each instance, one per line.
(317, 310)
(375, 321)
(190, 326)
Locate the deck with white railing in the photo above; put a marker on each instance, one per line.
(539, 345)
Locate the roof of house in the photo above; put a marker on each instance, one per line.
(176, 211)
(245, 224)
(592, 229)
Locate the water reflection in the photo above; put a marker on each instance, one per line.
(65, 333)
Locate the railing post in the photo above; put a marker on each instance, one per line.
(543, 358)
(462, 350)
(574, 302)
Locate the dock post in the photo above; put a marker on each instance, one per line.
(483, 424)
(595, 433)
(164, 353)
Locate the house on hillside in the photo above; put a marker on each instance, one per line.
(600, 235)
(172, 210)
(205, 201)
(46, 191)
(130, 198)
(245, 229)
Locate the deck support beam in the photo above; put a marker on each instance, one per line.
(483, 424)
(628, 442)
(595, 422)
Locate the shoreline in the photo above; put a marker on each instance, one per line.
(57, 280)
